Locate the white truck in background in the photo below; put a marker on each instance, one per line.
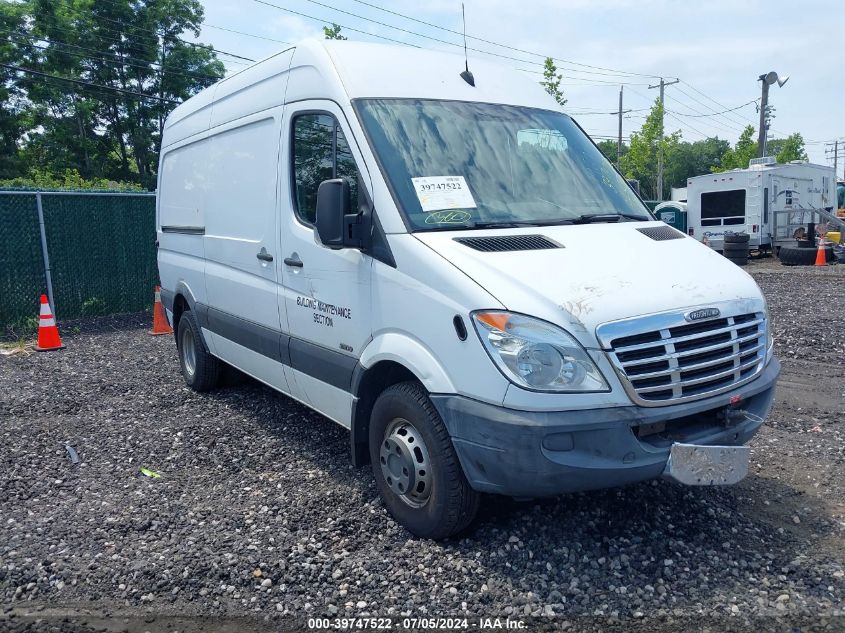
(769, 201)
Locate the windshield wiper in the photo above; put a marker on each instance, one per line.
(589, 218)
(512, 225)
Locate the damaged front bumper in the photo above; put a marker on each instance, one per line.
(545, 453)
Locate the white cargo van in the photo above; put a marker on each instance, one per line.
(445, 264)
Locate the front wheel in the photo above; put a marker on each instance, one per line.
(415, 466)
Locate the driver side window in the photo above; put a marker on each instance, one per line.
(320, 152)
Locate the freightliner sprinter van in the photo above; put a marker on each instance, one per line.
(442, 262)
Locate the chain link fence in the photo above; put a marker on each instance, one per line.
(93, 253)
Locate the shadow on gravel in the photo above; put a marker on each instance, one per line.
(655, 512)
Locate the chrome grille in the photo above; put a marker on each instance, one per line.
(682, 361)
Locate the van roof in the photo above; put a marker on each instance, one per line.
(344, 70)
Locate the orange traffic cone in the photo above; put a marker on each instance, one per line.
(821, 254)
(48, 333)
(160, 324)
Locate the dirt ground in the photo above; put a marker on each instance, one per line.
(258, 521)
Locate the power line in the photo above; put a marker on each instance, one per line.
(322, 21)
(448, 43)
(88, 84)
(513, 48)
(723, 111)
(119, 60)
(174, 38)
(742, 122)
(730, 121)
(123, 25)
(260, 37)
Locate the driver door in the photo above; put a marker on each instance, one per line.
(326, 292)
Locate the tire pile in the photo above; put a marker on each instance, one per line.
(803, 254)
(735, 248)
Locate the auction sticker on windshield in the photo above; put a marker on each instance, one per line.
(437, 193)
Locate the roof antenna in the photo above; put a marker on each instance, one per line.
(466, 75)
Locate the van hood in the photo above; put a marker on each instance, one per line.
(600, 273)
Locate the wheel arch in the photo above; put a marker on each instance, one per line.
(183, 299)
(389, 359)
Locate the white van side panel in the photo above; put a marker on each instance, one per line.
(241, 218)
(260, 367)
(183, 184)
(254, 89)
(334, 403)
(189, 118)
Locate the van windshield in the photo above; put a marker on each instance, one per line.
(460, 165)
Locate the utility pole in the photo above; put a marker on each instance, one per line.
(768, 79)
(661, 85)
(837, 148)
(619, 139)
(762, 132)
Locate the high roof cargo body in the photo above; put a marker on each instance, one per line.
(457, 275)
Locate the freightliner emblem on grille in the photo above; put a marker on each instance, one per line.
(703, 313)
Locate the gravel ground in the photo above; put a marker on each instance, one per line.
(258, 520)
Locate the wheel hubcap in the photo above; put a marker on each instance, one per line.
(405, 463)
(189, 352)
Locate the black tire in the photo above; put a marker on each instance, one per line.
(738, 261)
(200, 369)
(801, 256)
(736, 238)
(451, 504)
(734, 249)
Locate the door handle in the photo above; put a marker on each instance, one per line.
(264, 256)
(293, 261)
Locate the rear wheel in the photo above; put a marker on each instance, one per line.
(415, 466)
(200, 369)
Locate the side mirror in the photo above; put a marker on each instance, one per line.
(333, 205)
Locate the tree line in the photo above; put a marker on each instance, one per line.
(85, 87)
(682, 159)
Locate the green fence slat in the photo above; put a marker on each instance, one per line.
(22, 279)
(102, 254)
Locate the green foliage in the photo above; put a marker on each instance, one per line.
(787, 149)
(739, 156)
(12, 106)
(129, 45)
(609, 149)
(551, 81)
(333, 32)
(67, 179)
(640, 162)
(686, 160)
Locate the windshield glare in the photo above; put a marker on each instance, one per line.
(454, 165)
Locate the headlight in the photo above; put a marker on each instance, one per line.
(537, 355)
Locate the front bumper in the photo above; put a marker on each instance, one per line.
(545, 453)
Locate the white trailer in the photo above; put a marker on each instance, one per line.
(769, 201)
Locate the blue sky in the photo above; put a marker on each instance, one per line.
(717, 47)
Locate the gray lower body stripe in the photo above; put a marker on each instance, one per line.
(322, 363)
(313, 360)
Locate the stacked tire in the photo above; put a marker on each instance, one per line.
(735, 248)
